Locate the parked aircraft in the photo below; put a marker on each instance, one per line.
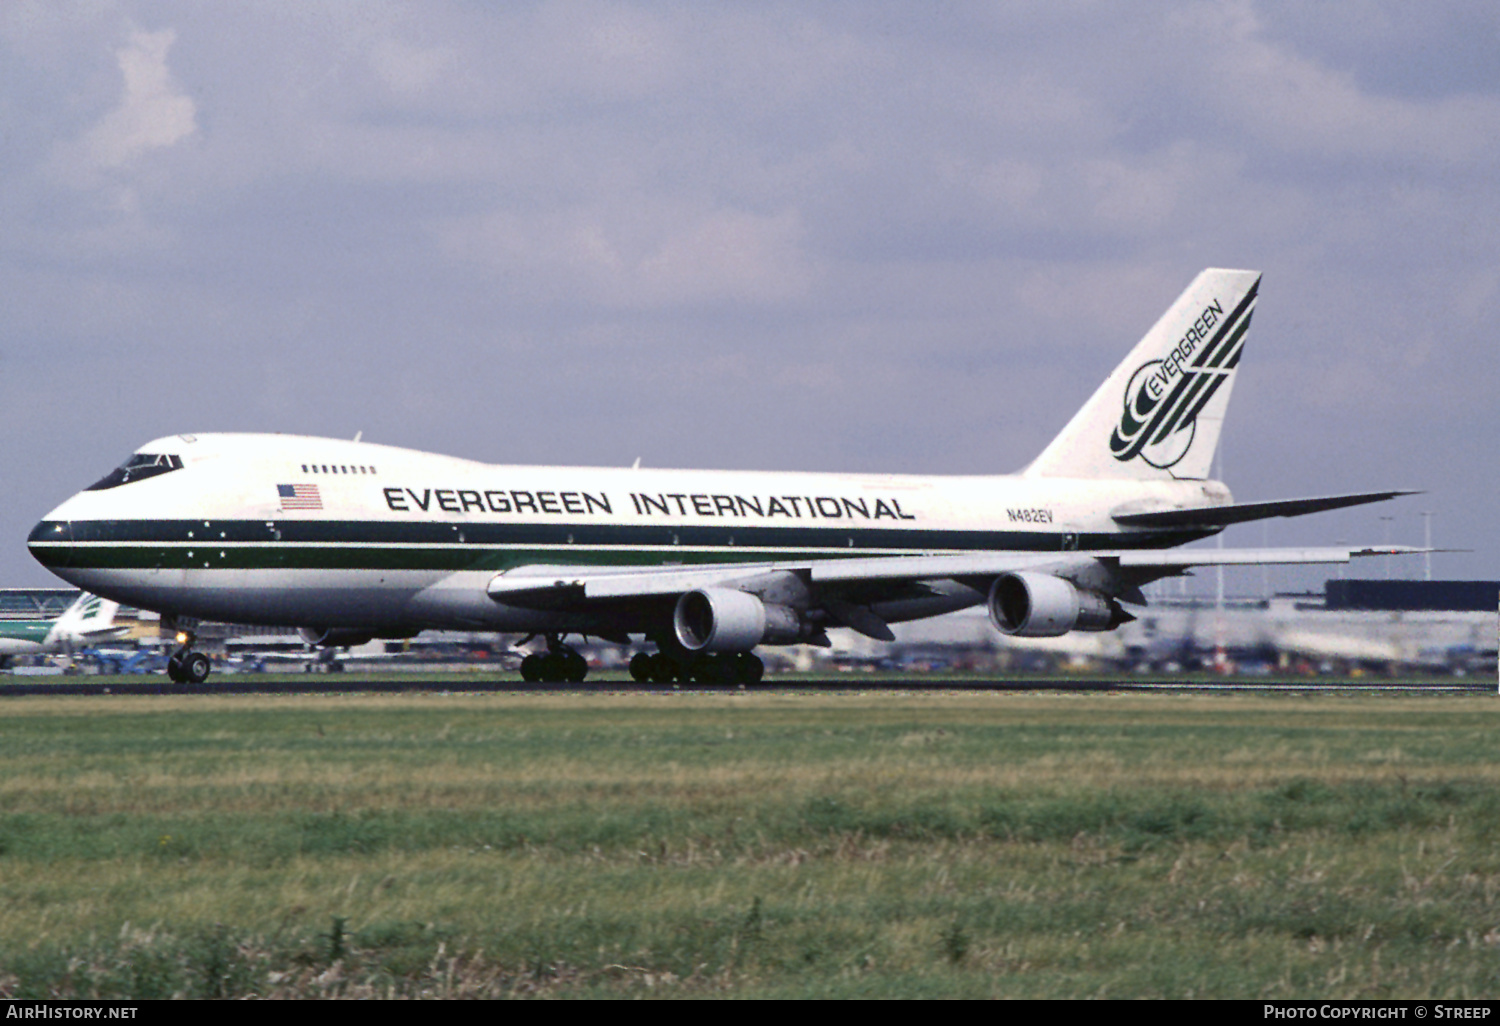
(88, 621)
(351, 540)
(1192, 633)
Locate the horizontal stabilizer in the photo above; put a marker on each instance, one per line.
(1242, 512)
(1165, 558)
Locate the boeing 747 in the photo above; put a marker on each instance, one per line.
(354, 541)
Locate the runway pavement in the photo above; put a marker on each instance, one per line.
(255, 684)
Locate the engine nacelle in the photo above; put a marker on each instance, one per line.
(725, 620)
(336, 637)
(1032, 605)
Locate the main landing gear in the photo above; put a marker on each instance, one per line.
(186, 666)
(668, 667)
(560, 665)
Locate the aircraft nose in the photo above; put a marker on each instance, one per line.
(51, 543)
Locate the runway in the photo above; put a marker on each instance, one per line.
(319, 684)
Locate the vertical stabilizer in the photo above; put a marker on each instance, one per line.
(1157, 417)
(87, 620)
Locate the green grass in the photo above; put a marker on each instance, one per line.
(911, 845)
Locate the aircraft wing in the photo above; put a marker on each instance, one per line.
(1170, 560)
(562, 587)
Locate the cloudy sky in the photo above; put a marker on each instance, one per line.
(814, 236)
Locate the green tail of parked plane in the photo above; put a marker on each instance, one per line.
(88, 621)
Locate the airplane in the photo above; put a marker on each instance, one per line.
(351, 540)
(88, 621)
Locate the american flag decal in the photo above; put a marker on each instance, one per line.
(299, 496)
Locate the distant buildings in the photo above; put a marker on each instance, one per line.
(1436, 626)
(1371, 625)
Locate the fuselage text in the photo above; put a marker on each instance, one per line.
(674, 505)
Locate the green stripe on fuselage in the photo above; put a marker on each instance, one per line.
(376, 557)
(378, 545)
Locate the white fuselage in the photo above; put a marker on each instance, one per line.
(44, 641)
(292, 530)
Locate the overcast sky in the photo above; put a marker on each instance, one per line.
(854, 236)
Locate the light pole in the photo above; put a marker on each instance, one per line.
(1427, 543)
(1387, 545)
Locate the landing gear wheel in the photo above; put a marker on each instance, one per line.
(640, 667)
(185, 667)
(664, 669)
(195, 668)
(560, 665)
(748, 669)
(574, 667)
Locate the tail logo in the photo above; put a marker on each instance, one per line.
(1164, 397)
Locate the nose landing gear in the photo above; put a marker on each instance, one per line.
(186, 666)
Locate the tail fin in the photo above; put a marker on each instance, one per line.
(89, 619)
(1157, 417)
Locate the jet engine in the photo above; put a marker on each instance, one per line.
(1032, 605)
(726, 620)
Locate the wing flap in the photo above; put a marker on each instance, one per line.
(555, 587)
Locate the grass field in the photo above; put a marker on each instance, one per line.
(751, 845)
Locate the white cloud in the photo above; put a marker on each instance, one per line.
(153, 113)
(728, 254)
(643, 253)
(1292, 102)
(409, 70)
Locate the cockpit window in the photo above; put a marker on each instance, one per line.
(140, 466)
